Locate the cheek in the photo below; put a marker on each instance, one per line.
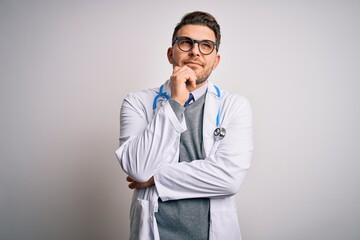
(178, 58)
(210, 67)
(175, 55)
(213, 65)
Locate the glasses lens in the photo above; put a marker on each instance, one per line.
(206, 47)
(185, 44)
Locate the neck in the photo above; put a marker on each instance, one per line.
(198, 85)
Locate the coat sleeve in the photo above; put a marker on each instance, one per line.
(223, 171)
(145, 142)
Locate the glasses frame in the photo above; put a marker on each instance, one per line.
(193, 44)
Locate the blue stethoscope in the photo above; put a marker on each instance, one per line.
(219, 132)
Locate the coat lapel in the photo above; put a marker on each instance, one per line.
(212, 105)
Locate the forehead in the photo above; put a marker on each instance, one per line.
(198, 32)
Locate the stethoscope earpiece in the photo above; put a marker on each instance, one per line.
(219, 133)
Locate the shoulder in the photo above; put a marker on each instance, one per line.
(236, 106)
(233, 100)
(234, 97)
(140, 101)
(141, 97)
(142, 94)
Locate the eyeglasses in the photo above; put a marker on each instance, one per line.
(185, 44)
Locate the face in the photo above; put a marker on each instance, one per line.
(202, 65)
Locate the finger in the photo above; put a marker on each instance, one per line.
(191, 79)
(176, 69)
(191, 74)
(129, 179)
(182, 70)
(134, 185)
(131, 185)
(184, 74)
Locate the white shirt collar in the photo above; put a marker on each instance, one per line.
(200, 91)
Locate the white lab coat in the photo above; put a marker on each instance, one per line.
(149, 142)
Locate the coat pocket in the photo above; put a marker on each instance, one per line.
(140, 226)
(225, 225)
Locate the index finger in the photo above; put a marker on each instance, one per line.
(175, 69)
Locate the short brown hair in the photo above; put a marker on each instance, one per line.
(200, 18)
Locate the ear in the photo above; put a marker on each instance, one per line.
(170, 55)
(217, 61)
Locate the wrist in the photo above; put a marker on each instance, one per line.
(180, 100)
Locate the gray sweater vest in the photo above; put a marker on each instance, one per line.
(187, 219)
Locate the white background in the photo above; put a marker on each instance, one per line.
(65, 67)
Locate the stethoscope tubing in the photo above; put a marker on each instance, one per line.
(219, 132)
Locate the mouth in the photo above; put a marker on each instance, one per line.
(193, 63)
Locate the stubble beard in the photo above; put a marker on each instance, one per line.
(201, 77)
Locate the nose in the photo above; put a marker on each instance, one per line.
(195, 50)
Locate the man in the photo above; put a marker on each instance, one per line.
(186, 155)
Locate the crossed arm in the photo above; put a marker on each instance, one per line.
(136, 185)
(148, 158)
(182, 81)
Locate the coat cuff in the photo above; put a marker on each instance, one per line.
(178, 124)
(160, 189)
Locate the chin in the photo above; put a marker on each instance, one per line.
(200, 81)
(195, 68)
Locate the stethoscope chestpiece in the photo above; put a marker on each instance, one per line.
(219, 133)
